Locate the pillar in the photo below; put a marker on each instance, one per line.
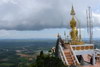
(94, 61)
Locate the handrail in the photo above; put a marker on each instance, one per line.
(74, 54)
(62, 52)
(97, 52)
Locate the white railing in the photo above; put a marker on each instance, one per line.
(97, 52)
(74, 54)
(62, 55)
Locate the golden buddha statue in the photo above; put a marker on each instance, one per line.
(74, 32)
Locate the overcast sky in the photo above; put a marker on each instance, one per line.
(44, 18)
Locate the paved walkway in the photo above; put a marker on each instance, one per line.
(87, 58)
(96, 65)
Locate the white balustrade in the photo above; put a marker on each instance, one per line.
(62, 55)
(74, 54)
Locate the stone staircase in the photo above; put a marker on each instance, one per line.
(69, 56)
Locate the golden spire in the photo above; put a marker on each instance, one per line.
(72, 11)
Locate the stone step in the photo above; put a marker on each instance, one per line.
(71, 63)
(70, 60)
(69, 57)
(67, 52)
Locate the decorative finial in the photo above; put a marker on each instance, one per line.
(58, 35)
(64, 33)
(72, 11)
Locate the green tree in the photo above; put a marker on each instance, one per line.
(47, 61)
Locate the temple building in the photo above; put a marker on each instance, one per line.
(74, 51)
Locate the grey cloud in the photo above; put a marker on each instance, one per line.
(41, 14)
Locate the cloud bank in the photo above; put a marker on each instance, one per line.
(42, 14)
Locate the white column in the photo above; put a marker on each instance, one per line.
(94, 59)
